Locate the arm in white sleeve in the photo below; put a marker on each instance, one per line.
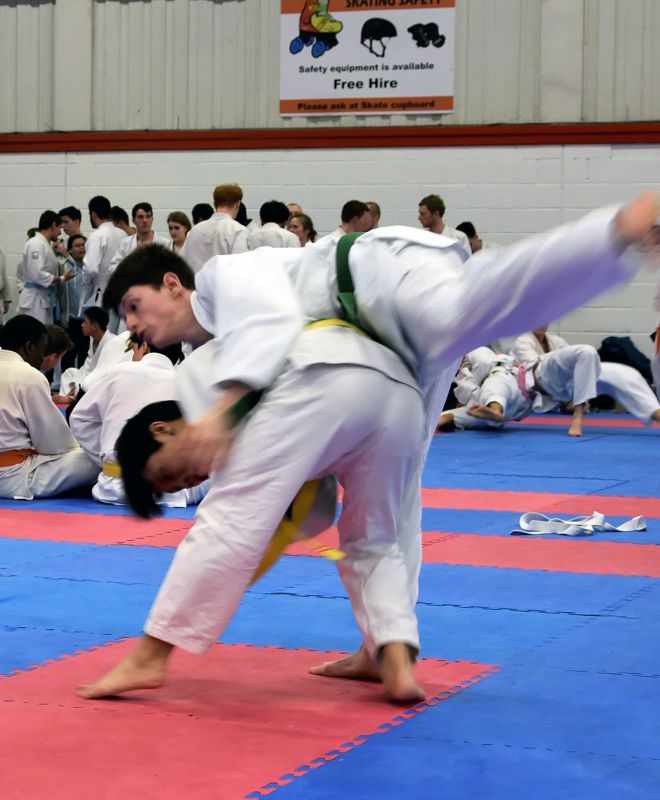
(86, 418)
(49, 433)
(502, 292)
(257, 318)
(4, 286)
(121, 253)
(36, 269)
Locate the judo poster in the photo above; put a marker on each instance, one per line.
(367, 57)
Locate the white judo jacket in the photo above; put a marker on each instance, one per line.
(100, 250)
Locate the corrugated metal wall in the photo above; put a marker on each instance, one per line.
(168, 64)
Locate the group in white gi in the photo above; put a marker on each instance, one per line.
(335, 401)
(542, 372)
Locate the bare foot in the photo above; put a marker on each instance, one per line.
(398, 676)
(143, 668)
(446, 420)
(485, 412)
(358, 666)
(576, 428)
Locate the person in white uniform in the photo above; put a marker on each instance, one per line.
(122, 391)
(355, 218)
(414, 293)
(100, 250)
(40, 271)
(39, 456)
(361, 407)
(575, 373)
(219, 235)
(143, 219)
(431, 216)
(95, 326)
(5, 293)
(274, 215)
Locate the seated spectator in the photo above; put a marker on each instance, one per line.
(57, 344)
(120, 393)
(272, 233)
(303, 227)
(38, 455)
(95, 326)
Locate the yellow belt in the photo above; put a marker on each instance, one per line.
(111, 469)
(335, 323)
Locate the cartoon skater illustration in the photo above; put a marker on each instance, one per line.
(375, 34)
(318, 28)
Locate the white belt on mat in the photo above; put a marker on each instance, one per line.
(535, 524)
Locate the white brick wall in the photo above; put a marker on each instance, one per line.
(508, 192)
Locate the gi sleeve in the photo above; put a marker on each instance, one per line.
(36, 267)
(93, 256)
(49, 433)
(87, 418)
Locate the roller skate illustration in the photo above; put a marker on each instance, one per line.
(318, 29)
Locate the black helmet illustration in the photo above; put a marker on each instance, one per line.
(424, 35)
(375, 31)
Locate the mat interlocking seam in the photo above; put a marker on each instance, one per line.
(346, 747)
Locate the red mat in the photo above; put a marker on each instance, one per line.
(63, 526)
(587, 422)
(555, 555)
(493, 500)
(240, 719)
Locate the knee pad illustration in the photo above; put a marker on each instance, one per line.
(424, 35)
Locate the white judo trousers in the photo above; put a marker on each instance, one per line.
(626, 385)
(350, 421)
(570, 373)
(418, 297)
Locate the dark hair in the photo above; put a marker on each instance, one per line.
(434, 203)
(352, 209)
(180, 218)
(468, 229)
(307, 224)
(100, 206)
(241, 215)
(118, 214)
(31, 232)
(201, 211)
(274, 211)
(73, 238)
(20, 330)
(48, 219)
(145, 266)
(72, 212)
(98, 315)
(173, 351)
(142, 207)
(58, 340)
(134, 447)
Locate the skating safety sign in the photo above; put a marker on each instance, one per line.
(367, 57)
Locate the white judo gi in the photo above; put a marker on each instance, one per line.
(100, 250)
(30, 421)
(575, 372)
(5, 294)
(271, 235)
(77, 376)
(418, 296)
(38, 269)
(500, 385)
(130, 243)
(98, 418)
(343, 405)
(655, 359)
(218, 235)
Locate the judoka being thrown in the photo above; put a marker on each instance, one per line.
(336, 402)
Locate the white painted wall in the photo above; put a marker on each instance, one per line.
(507, 192)
(190, 64)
